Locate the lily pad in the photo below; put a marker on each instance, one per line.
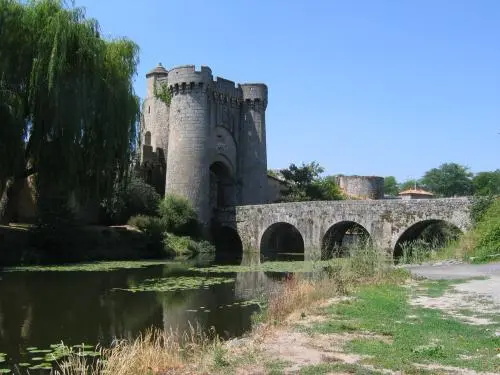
(176, 283)
(41, 366)
(284, 266)
(5, 371)
(90, 267)
(40, 351)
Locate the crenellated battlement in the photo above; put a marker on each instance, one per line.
(255, 95)
(186, 77)
(208, 125)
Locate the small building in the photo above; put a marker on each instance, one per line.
(415, 194)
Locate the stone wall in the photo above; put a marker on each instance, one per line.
(384, 220)
(208, 121)
(361, 187)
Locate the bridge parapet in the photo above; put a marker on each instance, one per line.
(384, 220)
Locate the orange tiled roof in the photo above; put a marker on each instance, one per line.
(415, 191)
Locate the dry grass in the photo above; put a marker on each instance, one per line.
(194, 352)
(364, 266)
(156, 352)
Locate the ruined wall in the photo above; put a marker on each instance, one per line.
(384, 220)
(361, 187)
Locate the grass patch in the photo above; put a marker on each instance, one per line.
(383, 309)
(276, 367)
(437, 288)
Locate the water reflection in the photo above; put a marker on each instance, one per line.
(38, 309)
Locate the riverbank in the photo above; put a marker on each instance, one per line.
(22, 244)
(360, 317)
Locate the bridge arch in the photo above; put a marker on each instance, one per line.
(282, 240)
(227, 241)
(430, 232)
(341, 236)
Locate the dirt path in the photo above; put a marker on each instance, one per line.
(489, 287)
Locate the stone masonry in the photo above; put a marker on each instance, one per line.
(384, 220)
(209, 143)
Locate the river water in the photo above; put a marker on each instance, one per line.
(92, 304)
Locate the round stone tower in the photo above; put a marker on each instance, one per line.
(189, 129)
(155, 112)
(253, 157)
(362, 187)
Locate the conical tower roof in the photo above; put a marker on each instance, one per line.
(159, 70)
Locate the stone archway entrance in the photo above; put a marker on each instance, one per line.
(222, 186)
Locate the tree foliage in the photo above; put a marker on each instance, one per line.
(391, 186)
(409, 184)
(448, 180)
(130, 197)
(68, 111)
(305, 183)
(487, 183)
(179, 216)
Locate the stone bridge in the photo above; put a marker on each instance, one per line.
(314, 225)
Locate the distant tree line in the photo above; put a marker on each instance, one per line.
(449, 180)
(306, 182)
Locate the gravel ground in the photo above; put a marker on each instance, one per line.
(490, 286)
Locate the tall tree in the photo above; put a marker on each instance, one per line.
(487, 183)
(306, 184)
(68, 110)
(449, 179)
(391, 186)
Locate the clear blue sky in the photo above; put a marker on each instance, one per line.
(368, 87)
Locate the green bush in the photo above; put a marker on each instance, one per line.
(480, 205)
(133, 197)
(152, 227)
(184, 245)
(202, 247)
(176, 245)
(487, 233)
(179, 216)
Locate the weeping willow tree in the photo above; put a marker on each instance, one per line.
(68, 111)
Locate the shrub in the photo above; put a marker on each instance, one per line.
(153, 227)
(133, 197)
(184, 245)
(179, 216)
(202, 247)
(176, 245)
(487, 233)
(480, 205)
